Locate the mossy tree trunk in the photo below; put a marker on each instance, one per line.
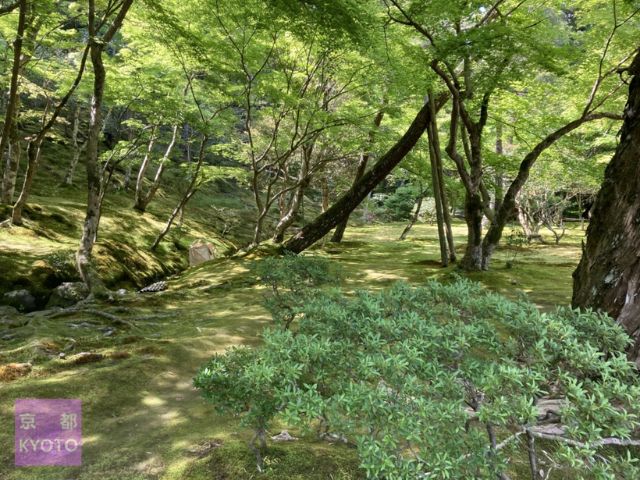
(608, 276)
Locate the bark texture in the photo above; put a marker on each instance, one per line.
(608, 276)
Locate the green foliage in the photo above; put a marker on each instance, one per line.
(293, 281)
(416, 377)
(400, 204)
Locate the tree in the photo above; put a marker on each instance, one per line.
(608, 276)
(115, 12)
(462, 51)
(9, 132)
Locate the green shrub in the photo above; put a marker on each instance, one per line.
(442, 381)
(400, 204)
(293, 280)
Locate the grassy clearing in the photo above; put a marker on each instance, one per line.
(142, 418)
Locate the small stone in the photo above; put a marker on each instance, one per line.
(122, 292)
(283, 436)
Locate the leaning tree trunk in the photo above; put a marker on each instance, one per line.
(608, 276)
(348, 202)
(414, 217)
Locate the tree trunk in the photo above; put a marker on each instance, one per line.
(608, 276)
(189, 192)
(348, 202)
(146, 199)
(446, 215)
(139, 195)
(296, 199)
(325, 194)
(77, 150)
(434, 153)
(414, 218)
(90, 226)
(501, 217)
(9, 133)
(362, 167)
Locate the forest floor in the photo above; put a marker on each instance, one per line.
(142, 419)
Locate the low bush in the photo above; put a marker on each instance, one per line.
(442, 381)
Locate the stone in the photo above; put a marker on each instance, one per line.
(67, 294)
(283, 436)
(11, 318)
(201, 252)
(22, 300)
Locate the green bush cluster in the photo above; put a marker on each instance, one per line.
(292, 281)
(440, 381)
(400, 204)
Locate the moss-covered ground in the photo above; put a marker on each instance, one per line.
(141, 417)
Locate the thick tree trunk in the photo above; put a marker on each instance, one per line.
(9, 133)
(473, 213)
(348, 202)
(608, 276)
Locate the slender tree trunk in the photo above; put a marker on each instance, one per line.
(9, 133)
(414, 217)
(77, 150)
(348, 202)
(139, 194)
(146, 199)
(298, 194)
(608, 276)
(501, 217)
(446, 215)
(34, 148)
(435, 182)
(189, 192)
(90, 227)
(362, 167)
(325, 194)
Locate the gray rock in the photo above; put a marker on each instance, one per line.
(22, 300)
(122, 292)
(67, 294)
